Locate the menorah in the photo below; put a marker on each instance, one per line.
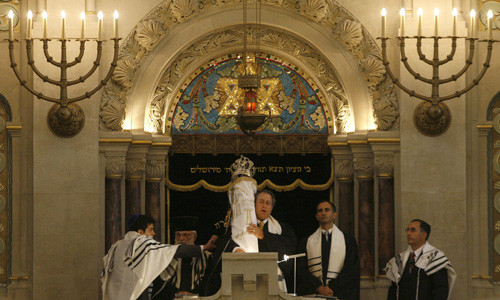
(65, 118)
(432, 117)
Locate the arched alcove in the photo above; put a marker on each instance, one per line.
(336, 36)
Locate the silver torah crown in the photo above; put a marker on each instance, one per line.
(242, 166)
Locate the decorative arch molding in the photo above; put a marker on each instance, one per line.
(272, 41)
(329, 16)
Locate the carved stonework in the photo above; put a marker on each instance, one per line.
(136, 167)
(155, 168)
(344, 169)
(115, 166)
(66, 121)
(363, 167)
(350, 33)
(384, 165)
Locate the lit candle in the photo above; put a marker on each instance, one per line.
(44, 17)
(99, 25)
(472, 23)
(115, 24)
(384, 16)
(63, 24)
(29, 24)
(490, 16)
(419, 13)
(82, 16)
(11, 25)
(402, 13)
(436, 15)
(454, 12)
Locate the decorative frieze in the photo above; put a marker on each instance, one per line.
(344, 169)
(384, 165)
(135, 168)
(155, 169)
(115, 166)
(363, 167)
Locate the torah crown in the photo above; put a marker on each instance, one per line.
(242, 166)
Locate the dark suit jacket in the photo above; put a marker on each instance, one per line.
(345, 286)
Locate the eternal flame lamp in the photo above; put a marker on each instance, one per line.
(248, 118)
(432, 117)
(65, 118)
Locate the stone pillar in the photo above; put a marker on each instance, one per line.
(115, 169)
(155, 171)
(344, 187)
(385, 236)
(133, 182)
(363, 171)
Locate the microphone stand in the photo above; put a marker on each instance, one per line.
(294, 257)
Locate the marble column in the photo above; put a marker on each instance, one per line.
(115, 169)
(363, 169)
(385, 235)
(345, 195)
(155, 171)
(133, 182)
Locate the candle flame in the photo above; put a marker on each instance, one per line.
(30, 14)
(383, 12)
(490, 14)
(11, 14)
(454, 12)
(115, 14)
(100, 15)
(63, 14)
(402, 12)
(420, 11)
(436, 11)
(473, 13)
(82, 15)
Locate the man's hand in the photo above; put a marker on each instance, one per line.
(183, 293)
(210, 245)
(255, 230)
(325, 291)
(239, 250)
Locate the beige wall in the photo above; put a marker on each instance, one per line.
(58, 210)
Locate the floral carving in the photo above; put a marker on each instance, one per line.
(136, 167)
(345, 27)
(384, 165)
(115, 165)
(155, 168)
(363, 167)
(344, 169)
(350, 32)
(148, 34)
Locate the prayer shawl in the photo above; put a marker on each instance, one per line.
(132, 264)
(198, 267)
(431, 260)
(273, 225)
(241, 197)
(337, 254)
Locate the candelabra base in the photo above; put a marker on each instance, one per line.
(432, 119)
(66, 121)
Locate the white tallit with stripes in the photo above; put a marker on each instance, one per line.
(337, 254)
(132, 264)
(431, 260)
(198, 268)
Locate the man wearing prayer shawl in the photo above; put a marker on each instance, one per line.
(331, 265)
(191, 270)
(134, 262)
(422, 272)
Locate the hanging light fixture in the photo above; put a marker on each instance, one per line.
(248, 118)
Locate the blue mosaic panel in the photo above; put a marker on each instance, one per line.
(209, 104)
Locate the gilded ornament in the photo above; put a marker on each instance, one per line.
(350, 32)
(180, 117)
(2, 147)
(135, 167)
(496, 144)
(182, 9)
(496, 162)
(344, 169)
(115, 166)
(2, 228)
(496, 110)
(497, 185)
(497, 269)
(148, 34)
(363, 167)
(496, 123)
(2, 188)
(497, 226)
(124, 72)
(497, 202)
(2, 249)
(317, 117)
(2, 124)
(3, 203)
(496, 244)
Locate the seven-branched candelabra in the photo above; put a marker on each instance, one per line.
(432, 117)
(65, 118)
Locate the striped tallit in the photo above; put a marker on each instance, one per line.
(337, 254)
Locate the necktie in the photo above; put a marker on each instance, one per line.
(411, 261)
(327, 235)
(261, 224)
